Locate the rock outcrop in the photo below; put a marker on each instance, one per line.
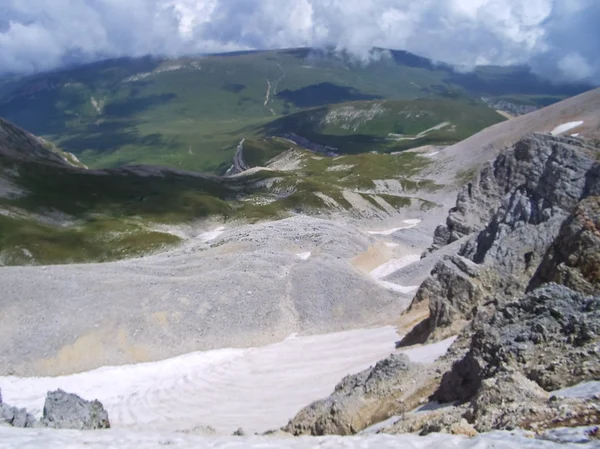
(514, 212)
(392, 386)
(522, 293)
(68, 411)
(550, 336)
(574, 258)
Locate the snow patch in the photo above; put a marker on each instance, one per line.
(561, 129)
(405, 290)
(256, 388)
(429, 353)
(392, 244)
(409, 224)
(304, 256)
(211, 235)
(394, 265)
(583, 390)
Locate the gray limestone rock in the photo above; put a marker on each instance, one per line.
(363, 399)
(68, 411)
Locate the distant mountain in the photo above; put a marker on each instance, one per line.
(191, 113)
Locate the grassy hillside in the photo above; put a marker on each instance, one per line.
(387, 125)
(51, 214)
(192, 112)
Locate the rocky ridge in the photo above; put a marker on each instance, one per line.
(522, 295)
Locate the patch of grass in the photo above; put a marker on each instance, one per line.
(465, 176)
(26, 241)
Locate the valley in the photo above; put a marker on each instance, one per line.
(289, 249)
(191, 113)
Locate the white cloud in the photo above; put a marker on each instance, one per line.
(558, 36)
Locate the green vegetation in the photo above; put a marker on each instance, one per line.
(388, 125)
(25, 240)
(191, 113)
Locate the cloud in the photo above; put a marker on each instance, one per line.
(557, 37)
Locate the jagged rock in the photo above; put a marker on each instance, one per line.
(15, 417)
(550, 171)
(68, 411)
(574, 257)
(239, 433)
(365, 398)
(514, 212)
(452, 292)
(551, 336)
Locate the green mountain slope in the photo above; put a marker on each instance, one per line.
(54, 212)
(190, 113)
(386, 125)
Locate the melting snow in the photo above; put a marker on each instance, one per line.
(303, 256)
(126, 439)
(561, 129)
(394, 265)
(398, 288)
(429, 353)
(409, 224)
(583, 390)
(211, 235)
(256, 388)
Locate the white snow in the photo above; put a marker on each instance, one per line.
(429, 353)
(409, 224)
(211, 235)
(391, 267)
(398, 288)
(256, 388)
(11, 438)
(575, 135)
(582, 390)
(394, 265)
(304, 256)
(561, 129)
(432, 154)
(392, 244)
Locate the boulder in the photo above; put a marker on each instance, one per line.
(365, 398)
(14, 416)
(68, 411)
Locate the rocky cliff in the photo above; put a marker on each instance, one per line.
(522, 293)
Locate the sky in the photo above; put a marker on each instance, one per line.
(557, 38)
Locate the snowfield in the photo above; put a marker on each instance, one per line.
(561, 129)
(124, 439)
(256, 388)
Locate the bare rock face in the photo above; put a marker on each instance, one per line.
(514, 212)
(550, 336)
(365, 398)
(574, 258)
(68, 411)
(452, 292)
